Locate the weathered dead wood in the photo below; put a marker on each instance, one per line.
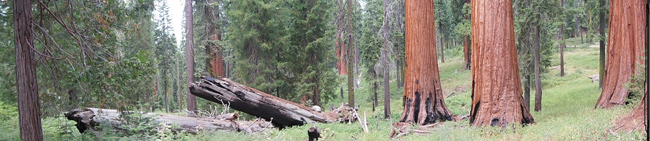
(282, 113)
(91, 118)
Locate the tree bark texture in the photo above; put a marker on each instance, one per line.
(89, 119)
(538, 78)
(625, 49)
(601, 29)
(189, 51)
(385, 57)
(215, 63)
(341, 52)
(423, 98)
(280, 112)
(29, 111)
(350, 51)
(496, 86)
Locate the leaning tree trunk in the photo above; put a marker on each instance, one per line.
(625, 49)
(280, 112)
(89, 119)
(496, 86)
(423, 99)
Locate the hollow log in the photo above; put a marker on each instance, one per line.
(282, 113)
(89, 119)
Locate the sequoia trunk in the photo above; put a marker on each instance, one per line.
(496, 86)
(624, 49)
(29, 112)
(423, 99)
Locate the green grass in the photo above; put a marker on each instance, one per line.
(567, 112)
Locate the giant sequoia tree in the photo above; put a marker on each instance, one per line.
(423, 99)
(625, 49)
(496, 93)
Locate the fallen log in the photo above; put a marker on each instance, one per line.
(282, 113)
(89, 119)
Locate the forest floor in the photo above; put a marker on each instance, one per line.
(567, 112)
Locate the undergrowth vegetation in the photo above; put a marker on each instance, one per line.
(567, 114)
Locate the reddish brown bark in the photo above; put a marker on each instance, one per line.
(341, 58)
(189, 52)
(215, 64)
(29, 112)
(637, 120)
(423, 99)
(625, 49)
(496, 86)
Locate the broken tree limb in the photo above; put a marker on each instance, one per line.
(89, 119)
(282, 113)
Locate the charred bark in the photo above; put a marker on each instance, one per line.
(625, 50)
(496, 86)
(423, 98)
(280, 112)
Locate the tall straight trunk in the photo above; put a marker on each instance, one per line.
(375, 86)
(625, 49)
(350, 51)
(527, 92)
(442, 50)
(29, 111)
(154, 100)
(496, 86)
(423, 99)
(166, 89)
(601, 30)
(179, 99)
(384, 59)
(467, 53)
(562, 43)
(538, 79)
(341, 58)
(189, 50)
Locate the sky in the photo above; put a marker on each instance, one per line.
(176, 12)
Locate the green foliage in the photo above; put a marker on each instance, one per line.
(636, 85)
(282, 49)
(543, 14)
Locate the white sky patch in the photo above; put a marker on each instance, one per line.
(176, 8)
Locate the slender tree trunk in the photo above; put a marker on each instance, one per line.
(29, 111)
(527, 92)
(442, 50)
(601, 29)
(625, 50)
(538, 79)
(350, 51)
(562, 43)
(496, 86)
(165, 84)
(384, 58)
(423, 98)
(179, 99)
(467, 53)
(189, 50)
(154, 100)
(386, 89)
(375, 86)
